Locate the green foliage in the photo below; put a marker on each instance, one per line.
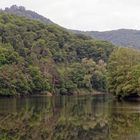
(99, 81)
(13, 81)
(39, 83)
(48, 58)
(123, 72)
(8, 55)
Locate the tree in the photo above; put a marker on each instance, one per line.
(122, 70)
(8, 55)
(40, 83)
(13, 81)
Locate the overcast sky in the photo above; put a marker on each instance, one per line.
(98, 15)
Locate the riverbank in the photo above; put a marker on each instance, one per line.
(78, 92)
(83, 92)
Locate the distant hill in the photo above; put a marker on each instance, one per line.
(121, 37)
(21, 11)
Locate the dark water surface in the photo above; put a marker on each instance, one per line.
(69, 118)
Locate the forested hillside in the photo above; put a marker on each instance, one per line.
(121, 37)
(36, 58)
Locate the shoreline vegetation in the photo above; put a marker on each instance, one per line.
(40, 58)
(79, 92)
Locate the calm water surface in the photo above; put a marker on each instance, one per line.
(69, 118)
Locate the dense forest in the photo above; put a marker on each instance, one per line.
(40, 58)
(37, 58)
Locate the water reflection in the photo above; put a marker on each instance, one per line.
(69, 118)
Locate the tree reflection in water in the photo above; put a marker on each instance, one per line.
(68, 118)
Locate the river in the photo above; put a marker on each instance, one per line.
(69, 118)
